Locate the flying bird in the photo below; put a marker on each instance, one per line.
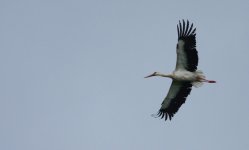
(185, 74)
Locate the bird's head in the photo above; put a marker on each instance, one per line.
(152, 75)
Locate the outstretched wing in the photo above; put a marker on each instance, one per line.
(177, 95)
(187, 55)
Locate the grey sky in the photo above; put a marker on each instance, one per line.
(72, 75)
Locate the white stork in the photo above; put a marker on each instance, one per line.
(185, 74)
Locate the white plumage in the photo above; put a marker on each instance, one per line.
(185, 74)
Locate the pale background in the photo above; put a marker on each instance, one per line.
(71, 75)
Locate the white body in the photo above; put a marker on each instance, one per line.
(184, 75)
(196, 78)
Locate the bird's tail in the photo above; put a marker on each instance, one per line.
(201, 75)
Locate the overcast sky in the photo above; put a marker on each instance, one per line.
(71, 75)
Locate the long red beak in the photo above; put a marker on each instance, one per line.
(150, 75)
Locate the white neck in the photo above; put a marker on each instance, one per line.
(164, 75)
